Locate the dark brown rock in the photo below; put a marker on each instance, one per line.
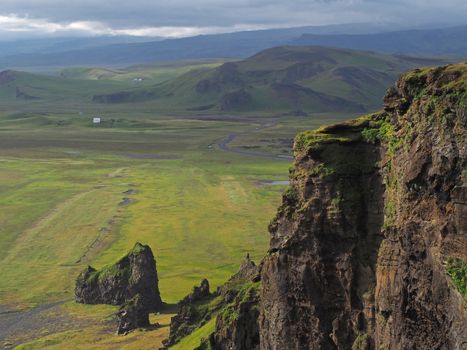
(324, 243)
(190, 316)
(199, 293)
(237, 324)
(134, 274)
(416, 306)
(359, 243)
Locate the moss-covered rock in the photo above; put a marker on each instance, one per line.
(134, 274)
(457, 271)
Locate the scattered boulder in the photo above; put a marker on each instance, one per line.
(134, 274)
(133, 314)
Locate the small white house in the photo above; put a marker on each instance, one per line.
(96, 120)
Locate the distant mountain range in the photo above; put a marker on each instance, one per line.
(124, 51)
(55, 45)
(436, 42)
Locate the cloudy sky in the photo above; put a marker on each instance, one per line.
(175, 18)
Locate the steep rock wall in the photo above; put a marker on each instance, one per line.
(375, 208)
(319, 276)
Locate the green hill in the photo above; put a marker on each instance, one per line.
(286, 80)
(21, 86)
(294, 79)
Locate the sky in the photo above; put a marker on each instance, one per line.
(178, 18)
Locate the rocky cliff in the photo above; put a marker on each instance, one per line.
(375, 209)
(369, 247)
(133, 275)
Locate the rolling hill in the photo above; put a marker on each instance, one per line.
(290, 79)
(75, 87)
(295, 80)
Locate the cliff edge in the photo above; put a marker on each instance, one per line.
(374, 217)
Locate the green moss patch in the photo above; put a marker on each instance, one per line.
(347, 132)
(457, 271)
(361, 343)
(230, 312)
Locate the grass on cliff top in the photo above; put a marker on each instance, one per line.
(456, 80)
(114, 269)
(337, 133)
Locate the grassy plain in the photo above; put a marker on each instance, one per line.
(200, 208)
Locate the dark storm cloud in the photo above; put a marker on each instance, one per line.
(185, 17)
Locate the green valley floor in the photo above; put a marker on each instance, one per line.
(199, 190)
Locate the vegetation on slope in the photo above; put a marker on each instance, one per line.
(292, 79)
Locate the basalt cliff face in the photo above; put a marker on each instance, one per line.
(369, 247)
(375, 211)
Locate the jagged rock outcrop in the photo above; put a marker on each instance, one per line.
(369, 247)
(373, 212)
(190, 316)
(237, 322)
(234, 307)
(133, 275)
(199, 293)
